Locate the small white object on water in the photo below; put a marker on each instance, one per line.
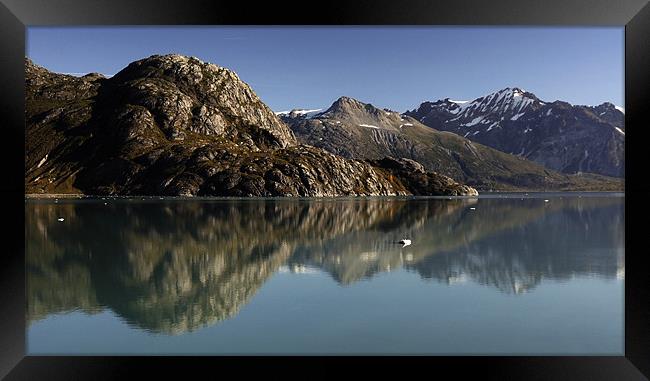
(61, 219)
(545, 200)
(405, 242)
(473, 208)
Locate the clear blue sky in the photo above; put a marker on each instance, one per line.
(393, 67)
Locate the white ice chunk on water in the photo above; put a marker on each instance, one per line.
(405, 242)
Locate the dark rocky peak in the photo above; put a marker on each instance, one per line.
(557, 108)
(608, 107)
(436, 113)
(610, 113)
(448, 103)
(561, 105)
(440, 105)
(605, 112)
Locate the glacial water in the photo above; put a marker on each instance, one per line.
(500, 274)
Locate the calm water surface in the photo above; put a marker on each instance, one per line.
(537, 274)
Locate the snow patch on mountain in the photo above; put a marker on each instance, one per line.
(474, 121)
(304, 113)
(515, 117)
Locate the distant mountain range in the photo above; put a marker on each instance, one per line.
(177, 126)
(558, 135)
(353, 129)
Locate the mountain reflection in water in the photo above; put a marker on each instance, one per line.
(171, 266)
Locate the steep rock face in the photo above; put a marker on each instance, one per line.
(357, 130)
(173, 125)
(188, 95)
(558, 135)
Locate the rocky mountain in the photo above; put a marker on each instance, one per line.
(558, 135)
(358, 130)
(174, 125)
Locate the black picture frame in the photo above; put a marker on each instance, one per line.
(15, 15)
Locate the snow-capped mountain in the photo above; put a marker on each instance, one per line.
(555, 134)
(358, 130)
(505, 104)
(299, 113)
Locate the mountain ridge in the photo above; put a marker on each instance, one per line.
(358, 130)
(561, 136)
(177, 126)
